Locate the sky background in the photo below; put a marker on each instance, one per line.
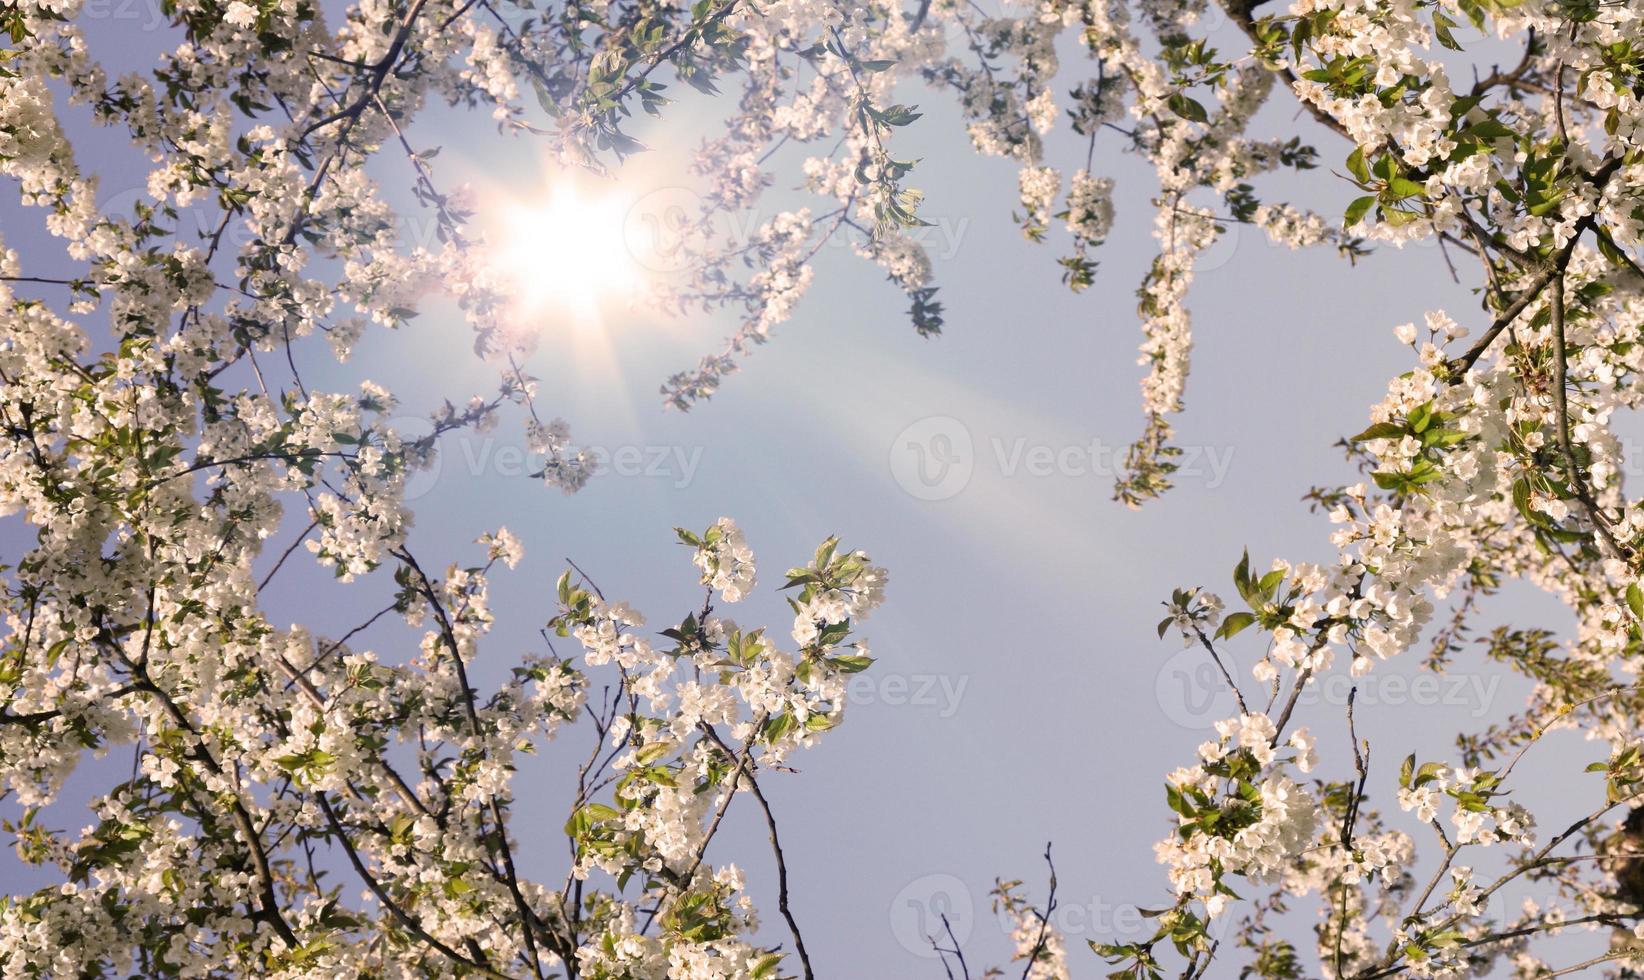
(1021, 694)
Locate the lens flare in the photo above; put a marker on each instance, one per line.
(568, 256)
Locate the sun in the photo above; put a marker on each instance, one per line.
(566, 256)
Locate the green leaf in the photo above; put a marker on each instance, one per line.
(851, 664)
(1490, 129)
(1269, 582)
(1234, 624)
(1187, 107)
(1428, 772)
(1402, 188)
(1441, 30)
(1356, 167)
(1381, 430)
(1357, 210)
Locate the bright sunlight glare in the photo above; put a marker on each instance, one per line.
(568, 255)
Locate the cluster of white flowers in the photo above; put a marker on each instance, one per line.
(502, 546)
(1038, 188)
(1090, 208)
(726, 561)
(684, 746)
(1034, 940)
(1355, 884)
(1239, 814)
(562, 465)
(840, 602)
(785, 247)
(1293, 227)
(904, 260)
(1475, 820)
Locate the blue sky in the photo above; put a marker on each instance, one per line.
(1021, 695)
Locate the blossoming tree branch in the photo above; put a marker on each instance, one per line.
(159, 437)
